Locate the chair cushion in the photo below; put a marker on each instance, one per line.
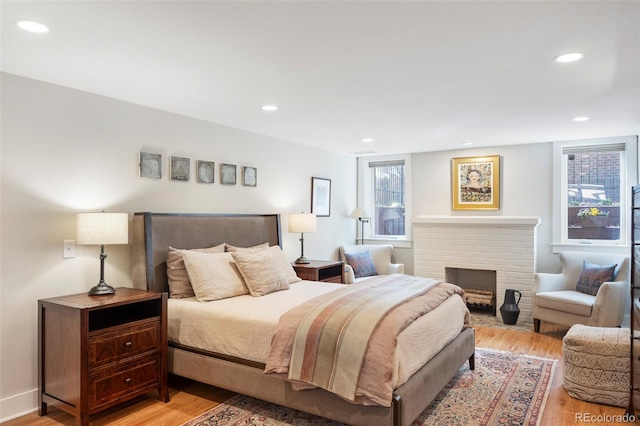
(592, 277)
(570, 301)
(361, 263)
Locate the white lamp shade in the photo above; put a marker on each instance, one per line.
(302, 222)
(102, 228)
(357, 213)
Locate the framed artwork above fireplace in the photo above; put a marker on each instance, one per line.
(475, 183)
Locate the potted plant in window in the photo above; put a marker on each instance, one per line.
(592, 217)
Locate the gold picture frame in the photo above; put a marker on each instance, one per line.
(475, 183)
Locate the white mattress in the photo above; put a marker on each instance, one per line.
(242, 326)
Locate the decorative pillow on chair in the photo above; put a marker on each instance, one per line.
(592, 277)
(361, 263)
(179, 283)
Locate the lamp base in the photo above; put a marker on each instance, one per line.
(101, 290)
(302, 260)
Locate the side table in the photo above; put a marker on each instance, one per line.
(97, 351)
(331, 271)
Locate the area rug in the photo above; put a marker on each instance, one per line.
(504, 388)
(487, 319)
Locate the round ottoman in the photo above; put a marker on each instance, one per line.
(596, 364)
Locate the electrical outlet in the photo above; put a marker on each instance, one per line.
(68, 249)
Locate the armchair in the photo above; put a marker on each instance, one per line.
(381, 255)
(555, 298)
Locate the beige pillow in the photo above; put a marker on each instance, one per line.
(229, 247)
(281, 262)
(179, 284)
(260, 272)
(213, 275)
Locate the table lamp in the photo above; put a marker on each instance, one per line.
(302, 222)
(102, 229)
(359, 214)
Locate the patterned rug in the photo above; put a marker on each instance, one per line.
(487, 319)
(504, 388)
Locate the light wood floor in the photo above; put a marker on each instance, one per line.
(189, 399)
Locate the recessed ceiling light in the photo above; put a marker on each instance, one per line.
(581, 119)
(467, 143)
(569, 57)
(33, 26)
(269, 107)
(367, 140)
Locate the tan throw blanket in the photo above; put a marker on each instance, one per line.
(345, 341)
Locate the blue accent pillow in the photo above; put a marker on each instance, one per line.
(361, 263)
(592, 277)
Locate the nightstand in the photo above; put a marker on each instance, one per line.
(321, 270)
(97, 351)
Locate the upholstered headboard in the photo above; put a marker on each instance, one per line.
(153, 233)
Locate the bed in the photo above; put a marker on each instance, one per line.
(153, 233)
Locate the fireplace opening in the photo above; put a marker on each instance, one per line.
(479, 286)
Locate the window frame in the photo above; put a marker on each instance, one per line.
(628, 177)
(365, 199)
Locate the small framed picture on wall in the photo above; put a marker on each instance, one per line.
(228, 174)
(205, 171)
(180, 168)
(150, 165)
(321, 196)
(249, 176)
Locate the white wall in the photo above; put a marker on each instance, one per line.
(64, 151)
(526, 183)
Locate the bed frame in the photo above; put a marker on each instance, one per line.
(153, 233)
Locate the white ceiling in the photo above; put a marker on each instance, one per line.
(415, 76)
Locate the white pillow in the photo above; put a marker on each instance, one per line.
(213, 275)
(281, 262)
(260, 272)
(177, 277)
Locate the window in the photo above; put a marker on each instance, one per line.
(595, 178)
(388, 179)
(384, 194)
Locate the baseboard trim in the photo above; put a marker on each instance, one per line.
(18, 405)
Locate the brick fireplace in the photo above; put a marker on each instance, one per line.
(504, 244)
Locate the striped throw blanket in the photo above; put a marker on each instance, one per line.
(344, 341)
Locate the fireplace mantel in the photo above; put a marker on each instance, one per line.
(477, 220)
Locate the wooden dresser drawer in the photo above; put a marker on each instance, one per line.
(122, 343)
(112, 385)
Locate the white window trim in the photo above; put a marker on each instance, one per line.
(365, 199)
(560, 199)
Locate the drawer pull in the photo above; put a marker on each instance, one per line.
(128, 344)
(127, 380)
